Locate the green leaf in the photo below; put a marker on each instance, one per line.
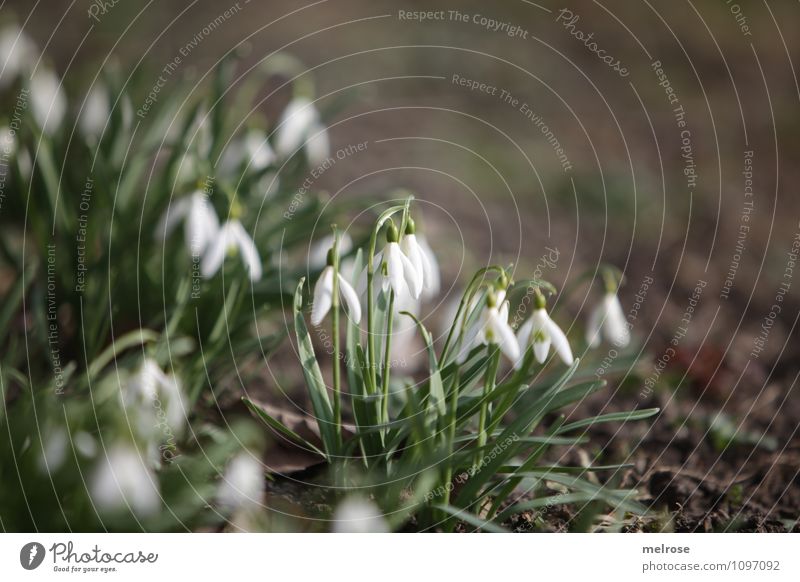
(317, 389)
(273, 423)
(471, 519)
(612, 417)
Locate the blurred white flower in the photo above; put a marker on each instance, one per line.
(18, 54)
(544, 332)
(157, 407)
(608, 318)
(84, 443)
(323, 296)
(95, 112)
(54, 450)
(300, 125)
(201, 225)
(122, 479)
(358, 515)
(48, 103)
(232, 237)
(253, 149)
(242, 484)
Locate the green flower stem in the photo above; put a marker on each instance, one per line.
(489, 380)
(451, 437)
(387, 360)
(337, 372)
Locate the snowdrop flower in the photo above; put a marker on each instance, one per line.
(318, 253)
(18, 54)
(472, 335)
(396, 268)
(230, 239)
(300, 124)
(608, 318)
(493, 328)
(544, 332)
(54, 450)
(419, 257)
(358, 515)
(201, 221)
(242, 484)
(323, 294)
(48, 103)
(122, 479)
(252, 149)
(157, 399)
(95, 112)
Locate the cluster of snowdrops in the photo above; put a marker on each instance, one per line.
(121, 426)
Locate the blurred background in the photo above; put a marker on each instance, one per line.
(658, 137)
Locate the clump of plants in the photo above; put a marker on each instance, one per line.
(467, 442)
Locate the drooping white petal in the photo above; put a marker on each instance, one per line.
(351, 298)
(395, 268)
(242, 484)
(323, 296)
(410, 247)
(408, 272)
(172, 216)
(248, 250)
(503, 335)
(358, 515)
(524, 334)
(95, 112)
(560, 341)
(54, 450)
(616, 327)
(215, 253)
(18, 54)
(541, 347)
(430, 267)
(48, 103)
(259, 150)
(202, 224)
(594, 325)
(294, 125)
(122, 479)
(318, 145)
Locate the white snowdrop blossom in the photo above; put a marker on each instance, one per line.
(472, 335)
(48, 103)
(122, 479)
(396, 269)
(18, 54)
(323, 295)
(231, 238)
(252, 149)
(95, 113)
(493, 327)
(318, 253)
(420, 258)
(544, 332)
(201, 222)
(608, 319)
(300, 125)
(54, 450)
(358, 515)
(242, 484)
(152, 393)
